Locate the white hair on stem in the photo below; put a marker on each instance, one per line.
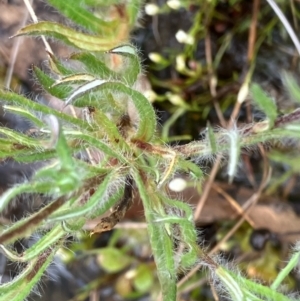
(234, 152)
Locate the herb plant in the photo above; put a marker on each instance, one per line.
(95, 158)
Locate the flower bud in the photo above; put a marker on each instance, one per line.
(184, 38)
(151, 9)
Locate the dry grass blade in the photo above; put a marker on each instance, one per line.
(286, 24)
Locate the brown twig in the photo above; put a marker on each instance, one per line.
(233, 203)
(207, 187)
(252, 31)
(251, 45)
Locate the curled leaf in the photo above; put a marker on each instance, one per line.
(145, 111)
(69, 36)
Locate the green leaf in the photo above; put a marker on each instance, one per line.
(112, 201)
(21, 139)
(191, 168)
(69, 36)
(58, 66)
(133, 11)
(186, 226)
(110, 129)
(10, 148)
(21, 286)
(212, 139)
(13, 192)
(92, 170)
(74, 78)
(101, 145)
(143, 279)
(40, 246)
(24, 113)
(124, 50)
(64, 153)
(24, 102)
(289, 159)
(132, 7)
(101, 2)
(28, 157)
(94, 64)
(76, 12)
(88, 207)
(161, 243)
(131, 67)
(265, 292)
(265, 103)
(147, 118)
(113, 260)
(235, 290)
(293, 262)
(49, 84)
(292, 86)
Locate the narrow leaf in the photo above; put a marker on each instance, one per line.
(24, 102)
(147, 118)
(48, 84)
(75, 11)
(74, 79)
(212, 139)
(94, 65)
(131, 67)
(101, 145)
(47, 240)
(292, 87)
(58, 66)
(28, 157)
(161, 243)
(24, 113)
(293, 262)
(110, 129)
(110, 203)
(191, 168)
(20, 289)
(123, 49)
(87, 208)
(20, 138)
(69, 36)
(265, 103)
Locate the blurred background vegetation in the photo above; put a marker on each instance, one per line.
(196, 56)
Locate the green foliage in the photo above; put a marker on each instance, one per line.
(77, 12)
(265, 103)
(113, 260)
(69, 36)
(292, 87)
(118, 135)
